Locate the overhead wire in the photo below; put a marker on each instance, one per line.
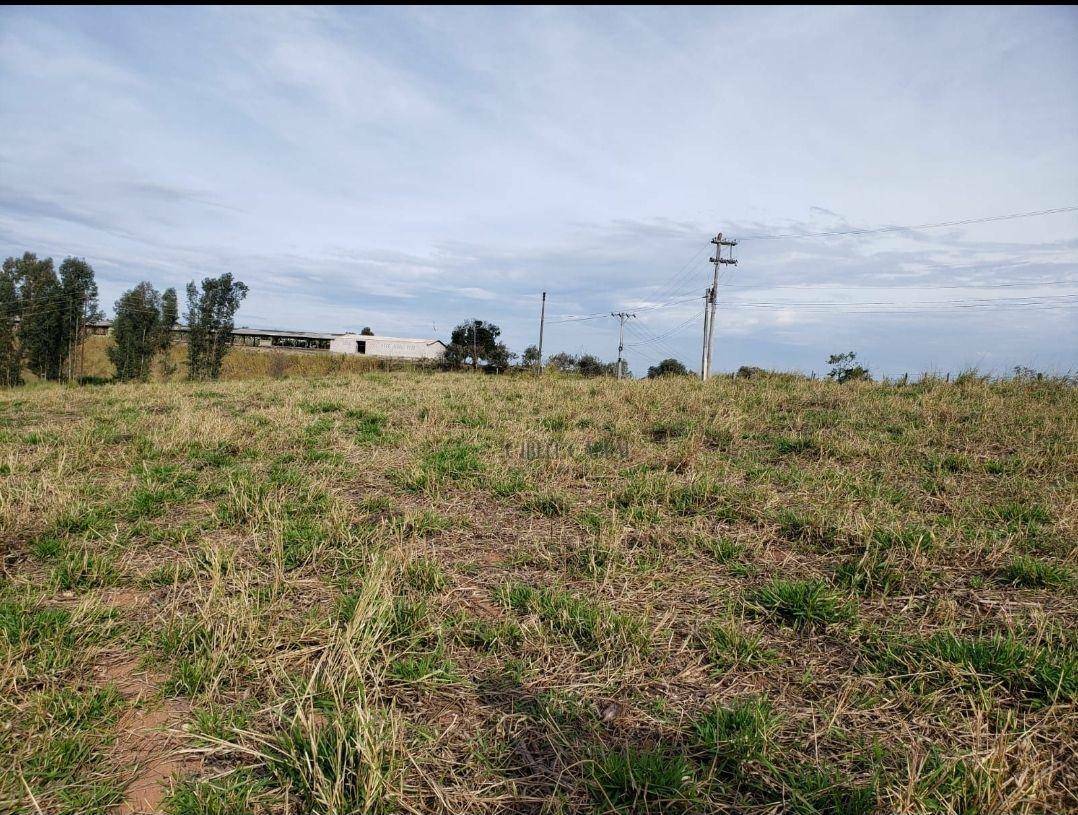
(963, 222)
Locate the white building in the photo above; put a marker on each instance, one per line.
(391, 347)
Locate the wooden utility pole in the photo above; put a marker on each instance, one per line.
(703, 343)
(621, 317)
(475, 359)
(718, 260)
(73, 347)
(542, 320)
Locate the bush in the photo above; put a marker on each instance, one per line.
(843, 368)
(668, 367)
(749, 372)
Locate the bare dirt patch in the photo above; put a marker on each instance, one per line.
(148, 741)
(147, 736)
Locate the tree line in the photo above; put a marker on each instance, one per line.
(45, 311)
(44, 314)
(475, 344)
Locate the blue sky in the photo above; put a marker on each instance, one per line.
(411, 168)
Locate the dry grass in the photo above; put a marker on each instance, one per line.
(242, 363)
(363, 593)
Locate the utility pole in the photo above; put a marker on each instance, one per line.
(703, 343)
(72, 347)
(621, 317)
(718, 260)
(542, 320)
(475, 359)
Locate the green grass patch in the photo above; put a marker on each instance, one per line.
(425, 575)
(729, 737)
(728, 646)
(642, 780)
(368, 426)
(869, 573)
(1037, 674)
(83, 569)
(800, 527)
(591, 626)
(341, 764)
(487, 635)
(795, 445)
(801, 603)
(550, 504)
(43, 641)
(1021, 514)
(66, 748)
(811, 790)
(236, 794)
(1034, 573)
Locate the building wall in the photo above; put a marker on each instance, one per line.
(385, 347)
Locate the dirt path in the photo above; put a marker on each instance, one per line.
(147, 745)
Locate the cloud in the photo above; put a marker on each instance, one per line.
(414, 167)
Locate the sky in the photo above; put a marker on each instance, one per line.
(410, 169)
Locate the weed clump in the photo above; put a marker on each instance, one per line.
(640, 779)
(1031, 572)
(592, 627)
(801, 603)
(730, 737)
(728, 646)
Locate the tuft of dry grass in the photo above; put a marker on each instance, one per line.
(367, 591)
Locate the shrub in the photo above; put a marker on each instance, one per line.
(843, 368)
(668, 367)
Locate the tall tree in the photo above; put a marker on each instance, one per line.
(210, 315)
(562, 361)
(79, 307)
(530, 358)
(136, 332)
(590, 365)
(41, 301)
(10, 352)
(170, 313)
(476, 340)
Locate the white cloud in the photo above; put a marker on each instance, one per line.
(406, 167)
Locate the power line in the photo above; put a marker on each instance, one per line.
(682, 276)
(964, 222)
(650, 357)
(657, 345)
(644, 346)
(666, 291)
(822, 308)
(586, 317)
(659, 342)
(667, 333)
(643, 338)
(967, 286)
(571, 318)
(952, 302)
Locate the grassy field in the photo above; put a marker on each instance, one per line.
(411, 593)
